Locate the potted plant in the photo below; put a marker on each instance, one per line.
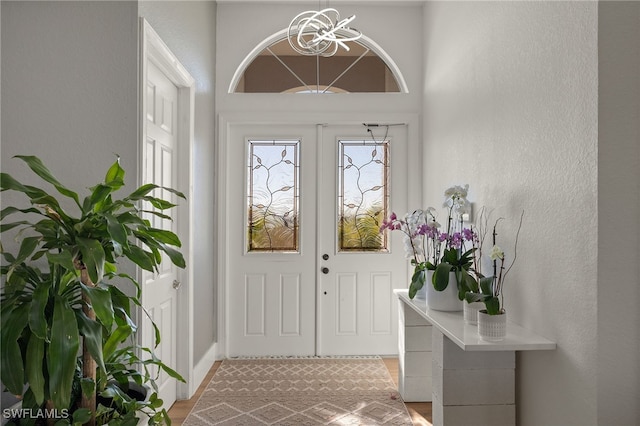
(60, 294)
(438, 257)
(493, 319)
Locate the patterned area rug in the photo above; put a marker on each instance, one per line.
(300, 391)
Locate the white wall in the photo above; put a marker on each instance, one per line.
(619, 213)
(188, 29)
(511, 107)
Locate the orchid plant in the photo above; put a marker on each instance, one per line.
(490, 288)
(430, 248)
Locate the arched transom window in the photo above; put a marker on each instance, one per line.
(274, 67)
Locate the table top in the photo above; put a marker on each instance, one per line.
(452, 325)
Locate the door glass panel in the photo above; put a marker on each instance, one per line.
(273, 195)
(363, 194)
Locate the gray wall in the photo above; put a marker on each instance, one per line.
(69, 87)
(188, 29)
(619, 213)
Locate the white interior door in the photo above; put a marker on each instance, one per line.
(159, 167)
(281, 300)
(364, 178)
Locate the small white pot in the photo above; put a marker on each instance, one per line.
(445, 300)
(471, 312)
(492, 328)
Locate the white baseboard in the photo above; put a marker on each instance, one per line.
(201, 369)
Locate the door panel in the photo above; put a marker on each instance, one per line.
(271, 288)
(356, 304)
(159, 295)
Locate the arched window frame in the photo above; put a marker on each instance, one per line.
(282, 34)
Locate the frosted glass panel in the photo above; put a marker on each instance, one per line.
(272, 192)
(363, 195)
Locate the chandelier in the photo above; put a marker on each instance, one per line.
(321, 32)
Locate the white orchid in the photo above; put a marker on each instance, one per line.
(496, 253)
(455, 193)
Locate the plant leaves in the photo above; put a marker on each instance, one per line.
(10, 210)
(139, 193)
(486, 285)
(115, 175)
(34, 367)
(13, 322)
(99, 194)
(117, 231)
(493, 305)
(159, 203)
(101, 304)
(115, 338)
(175, 256)
(441, 276)
(140, 258)
(64, 259)
(417, 282)
(7, 182)
(37, 316)
(93, 257)
(63, 350)
(27, 247)
(41, 170)
(92, 332)
(163, 236)
(82, 415)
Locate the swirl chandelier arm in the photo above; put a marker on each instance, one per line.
(318, 32)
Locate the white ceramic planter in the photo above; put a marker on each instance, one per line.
(471, 312)
(492, 328)
(445, 300)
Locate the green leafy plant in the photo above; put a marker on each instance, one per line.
(46, 314)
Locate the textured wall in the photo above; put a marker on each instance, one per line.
(510, 107)
(69, 87)
(188, 28)
(619, 213)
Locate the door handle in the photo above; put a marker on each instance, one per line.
(325, 270)
(176, 284)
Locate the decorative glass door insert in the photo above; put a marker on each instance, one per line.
(363, 194)
(273, 196)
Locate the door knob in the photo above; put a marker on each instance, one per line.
(325, 270)
(176, 284)
(325, 256)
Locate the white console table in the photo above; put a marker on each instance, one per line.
(442, 359)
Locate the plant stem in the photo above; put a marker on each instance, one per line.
(515, 245)
(88, 363)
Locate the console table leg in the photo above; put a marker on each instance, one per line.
(472, 387)
(414, 356)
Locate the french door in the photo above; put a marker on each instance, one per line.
(308, 271)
